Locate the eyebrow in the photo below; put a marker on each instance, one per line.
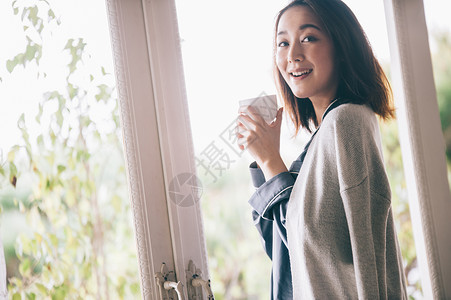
(302, 27)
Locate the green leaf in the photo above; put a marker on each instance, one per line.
(61, 168)
(17, 296)
(21, 121)
(25, 267)
(116, 201)
(10, 65)
(69, 44)
(134, 288)
(32, 52)
(73, 91)
(12, 168)
(42, 288)
(41, 26)
(60, 292)
(38, 237)
(121, 283)
(39, 114)
(12, 153)
(33, 15)
(12, 174)
(61, 103)
(51, 15)
(53, 239)
(59, 118)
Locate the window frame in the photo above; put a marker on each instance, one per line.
(158, 143)
(157, 139)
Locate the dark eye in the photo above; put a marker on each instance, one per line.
(282, 44)
(309, 39)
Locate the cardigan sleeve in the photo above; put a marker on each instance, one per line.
(367, 215)
(365, 193)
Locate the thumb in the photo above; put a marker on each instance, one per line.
(279, 115)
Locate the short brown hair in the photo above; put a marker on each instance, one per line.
(361, 78)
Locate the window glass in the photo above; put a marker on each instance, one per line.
(66, 219)
(439, 30)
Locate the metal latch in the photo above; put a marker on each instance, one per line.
(195, 283)
(167, 284)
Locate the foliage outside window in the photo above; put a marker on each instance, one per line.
(67, 177)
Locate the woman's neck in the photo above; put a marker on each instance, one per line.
(320, 106)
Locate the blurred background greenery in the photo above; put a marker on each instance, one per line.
(66, 218)
(67, 227)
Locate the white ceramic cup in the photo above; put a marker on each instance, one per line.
(265, 105)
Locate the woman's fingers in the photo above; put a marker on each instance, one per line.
(257, 137)
(249, 123)
(255, 115)
(239, 128)
(242, 131)
(242, 109)
(278, 119)
(244, 135)
(242, 142)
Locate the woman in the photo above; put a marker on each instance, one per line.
(328, 225)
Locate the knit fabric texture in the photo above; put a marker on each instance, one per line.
(341, 236)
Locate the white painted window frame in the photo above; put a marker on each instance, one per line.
(158, 143)
(157, 139)
(422, 143)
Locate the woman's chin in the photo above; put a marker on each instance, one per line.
(300, 95)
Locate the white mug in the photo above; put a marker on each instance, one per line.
(265, 105)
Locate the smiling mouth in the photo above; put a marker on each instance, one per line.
(301, 74)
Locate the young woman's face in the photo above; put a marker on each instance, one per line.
(305, 55)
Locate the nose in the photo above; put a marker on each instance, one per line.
(295, 53)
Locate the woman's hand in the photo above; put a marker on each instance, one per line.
(261, 140)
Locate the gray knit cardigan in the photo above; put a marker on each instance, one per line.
(341, 236)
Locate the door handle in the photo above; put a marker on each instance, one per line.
(165, 280)
(198, 281)
(177, 286)
(195, 283)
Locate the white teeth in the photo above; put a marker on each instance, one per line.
(297, 74)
